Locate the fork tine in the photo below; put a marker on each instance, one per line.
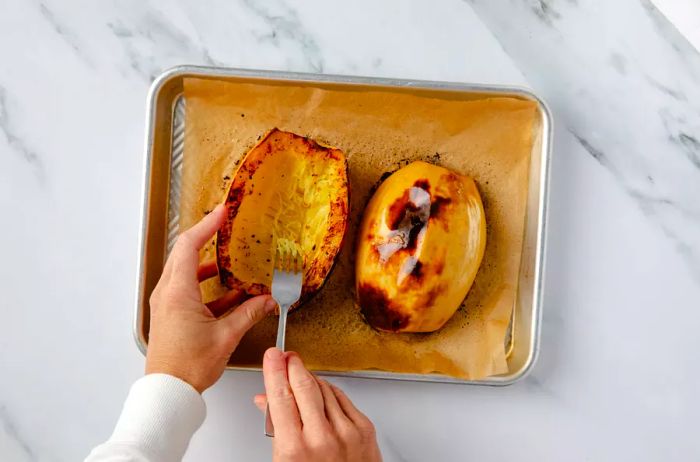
(290, 260)
(282, 259)
(279, 257)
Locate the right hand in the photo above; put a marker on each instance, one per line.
(314, 420)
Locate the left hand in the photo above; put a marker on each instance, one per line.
(186, 339)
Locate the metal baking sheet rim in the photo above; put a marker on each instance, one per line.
(540, 251)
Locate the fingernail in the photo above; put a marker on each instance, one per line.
(270, 305)
(274, 354)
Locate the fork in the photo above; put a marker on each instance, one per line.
(286, 290)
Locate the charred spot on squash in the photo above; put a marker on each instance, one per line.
(422, 183)
(225, 275)
(377, 309)
(412, 243)
(438, 266)
(383, 177)
(431, 296)
(438, 205)
(378, 183)
(450, 178)
(397, 211)
(417, 271)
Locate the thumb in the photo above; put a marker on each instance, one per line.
(248, 314)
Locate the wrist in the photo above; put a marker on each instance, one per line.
(157, 366)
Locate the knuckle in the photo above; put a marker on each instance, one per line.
(303, 382)
(291, 450)
(275, 367)
(185, 237)
(160, 299)
(350, 435)
(251, 313)
(183, 244)
(155, 297)
(326, 445)
(367, 429)
(348, 431)
(168, 300)
(282, 393)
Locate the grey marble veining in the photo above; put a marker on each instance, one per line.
(15, 448)
(283, 24)
(154, 30)
(631, 96)
(15, 141)
(70, 38)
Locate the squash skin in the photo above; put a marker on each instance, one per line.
(246, 242)
(419, 247)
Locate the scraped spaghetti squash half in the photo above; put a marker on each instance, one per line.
(289, 192)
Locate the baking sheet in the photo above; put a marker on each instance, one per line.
(489, 139)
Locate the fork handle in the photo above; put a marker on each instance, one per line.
(269, 428)
(282, 327)
(281, 331)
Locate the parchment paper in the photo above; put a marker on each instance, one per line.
(489, 139)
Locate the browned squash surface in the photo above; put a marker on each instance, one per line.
(420, 245)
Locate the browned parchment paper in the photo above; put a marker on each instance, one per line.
(489, 139)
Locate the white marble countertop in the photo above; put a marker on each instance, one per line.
(617, 378)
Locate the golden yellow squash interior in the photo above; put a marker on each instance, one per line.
(283, 199)
(292, 213)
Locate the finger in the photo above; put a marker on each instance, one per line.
(248, 313)
(260, 402)
(283, 407)
(354, 414)
(333, 410)
(199, 234)
(221, 305)
(184, 259)
(207, 270)
(307, 395)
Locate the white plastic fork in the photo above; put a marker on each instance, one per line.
(286, 290)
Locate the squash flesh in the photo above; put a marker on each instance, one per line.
(289, 193)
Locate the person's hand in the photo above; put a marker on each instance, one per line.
(186, 339)
(314, 420)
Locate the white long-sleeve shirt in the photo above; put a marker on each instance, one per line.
(160, 416)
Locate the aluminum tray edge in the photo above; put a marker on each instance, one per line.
(540, 252)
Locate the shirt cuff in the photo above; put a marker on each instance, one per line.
(160, 416)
